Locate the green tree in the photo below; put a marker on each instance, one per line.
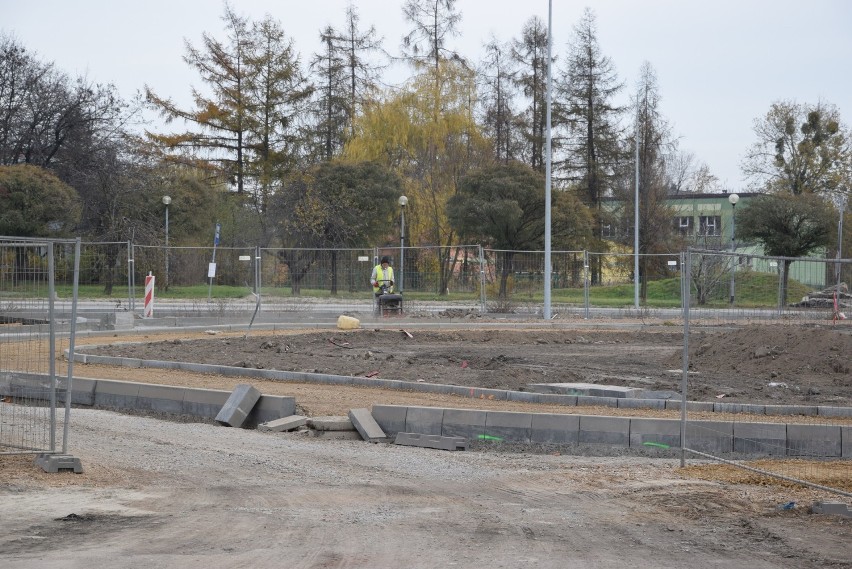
(496, 98)
(593, 148)
(787, 226)
(35, 203)
(530, 54)
(655, 146)
(800, 149)
(505, 206)
(333, 205)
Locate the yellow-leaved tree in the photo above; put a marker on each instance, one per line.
(427, 134)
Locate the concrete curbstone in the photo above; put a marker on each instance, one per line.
(846, 442)
(431, 441)
(604, 430)
(203, 402)
(468, 423)
(270, 407)
(654, 432)
(391, 418)
(508, 426)
(628, 403)
(827, 411)
(807, 410)
(739, 408)
(710, 436)
(283, 424)
(238, 406)
(814, 440)
(120, 394)
(424, 420)
(161, 398)
(760, 438)
(594, 400)
(554, 428)
(83, 391)
(364, 423)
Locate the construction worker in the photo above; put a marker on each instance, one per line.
(382, 275)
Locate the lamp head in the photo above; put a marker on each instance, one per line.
(733, 198)
(403, 201)
(167, 200)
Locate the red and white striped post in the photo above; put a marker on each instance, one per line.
(149, 296)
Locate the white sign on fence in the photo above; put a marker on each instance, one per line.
(245, 257)
(363, 258)
(211, 270)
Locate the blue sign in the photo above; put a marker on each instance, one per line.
(216, 237)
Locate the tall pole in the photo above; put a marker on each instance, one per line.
(839, 245)
(403, 201)
(547, 268)
(166, 201)
(636, 218)
(733, 199)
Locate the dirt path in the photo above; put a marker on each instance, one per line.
(159, 495)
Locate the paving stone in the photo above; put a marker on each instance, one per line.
(431, 441)
(283, 424)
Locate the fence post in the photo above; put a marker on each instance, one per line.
(781, 276)
(684, 295)
(51, 317)
(482, 265)
(131, 300)
(586, 299)
(71, 341)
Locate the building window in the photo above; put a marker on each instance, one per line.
(710, 225)
(683, 225)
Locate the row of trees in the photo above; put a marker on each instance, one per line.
(315, 153)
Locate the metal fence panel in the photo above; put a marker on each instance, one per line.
(776, 300)
(30, 388)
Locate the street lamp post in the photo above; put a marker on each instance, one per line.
(403, 201)
(166, 201)
(733, 199)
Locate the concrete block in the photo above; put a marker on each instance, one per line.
(527, 397)
(813, 440)
(807, 410)
(751, 409)
(283, 424)
(391, 418)
(162, 398)
(604, 430)
(431, 441)
(586, 389)
(598, 401)
(511, 427)
(654, 432)
(367, 426)
(697, 406)
(846, 442)
(710, 436)
(832, 509)
(204, 403)
(238, 405)
(760, 438)
(59, 463)
(555, 428)
(269, 408)
(424, 420)
(331, 423)
(642, 403)
(117, 394)
(466, 423)
(826, 411)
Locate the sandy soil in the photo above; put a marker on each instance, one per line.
(161, 493)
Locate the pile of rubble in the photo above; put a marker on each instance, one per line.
(825, 298)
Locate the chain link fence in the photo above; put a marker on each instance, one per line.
(30, 312)
(783, 322)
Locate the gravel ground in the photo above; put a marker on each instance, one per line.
(162, 494)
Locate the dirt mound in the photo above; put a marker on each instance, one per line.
(774, 362)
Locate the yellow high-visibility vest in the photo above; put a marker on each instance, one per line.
(383, 275)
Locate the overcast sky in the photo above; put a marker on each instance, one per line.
(720, 64)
